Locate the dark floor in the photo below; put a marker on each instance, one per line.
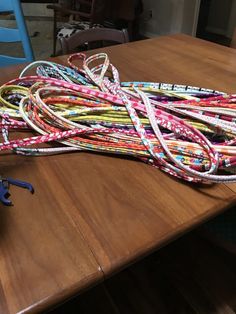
(190, 276)
(216, 38)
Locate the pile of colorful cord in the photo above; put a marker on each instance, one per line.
(186, 131)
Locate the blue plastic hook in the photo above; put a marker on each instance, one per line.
(4, 188)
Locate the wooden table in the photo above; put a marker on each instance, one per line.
(91, 214)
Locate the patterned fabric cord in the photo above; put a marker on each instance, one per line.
(186, 131)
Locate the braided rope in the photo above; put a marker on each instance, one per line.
(186, 131)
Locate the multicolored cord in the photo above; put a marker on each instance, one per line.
(186, 131)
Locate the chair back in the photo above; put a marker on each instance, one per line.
(91, 35)
(90, 10)
(18, 34)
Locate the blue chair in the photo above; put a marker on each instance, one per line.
(19, 34)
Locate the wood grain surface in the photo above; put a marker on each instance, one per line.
(93, 214)
(188, 276)
(44, 257)
(145, 208)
